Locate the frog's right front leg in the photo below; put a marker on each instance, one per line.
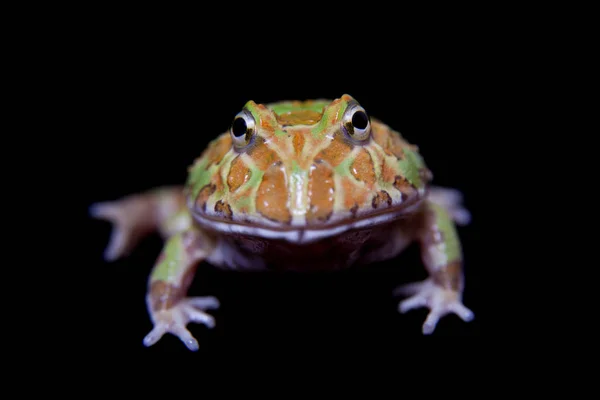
(169, 308)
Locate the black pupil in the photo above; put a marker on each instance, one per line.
(239, 127)
(360, 120)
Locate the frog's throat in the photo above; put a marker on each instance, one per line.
(306, 234)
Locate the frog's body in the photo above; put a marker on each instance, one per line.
(314, 185)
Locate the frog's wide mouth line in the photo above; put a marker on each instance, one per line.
(306, 233)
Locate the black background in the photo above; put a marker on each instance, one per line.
(143, 115)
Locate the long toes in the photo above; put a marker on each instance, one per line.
(461, 216)
(120, 239)
(105, 210)
(118, 245)
(412, 303)
(431, 321)
(463, 312)
(200, 317)
(186, 337)
(204, 303)
(408, 289)
(448, 197)
(155, 334)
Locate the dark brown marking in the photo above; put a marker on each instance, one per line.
(224, 208)
(401, 182)
(449, 276)
(354, 210)
(405, 187)
(381, 198)
(203, 196)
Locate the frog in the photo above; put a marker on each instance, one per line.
(294, 185)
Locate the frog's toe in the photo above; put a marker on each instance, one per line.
(175, 319)
(439, 300)
(439, 311)
(452, 200)
(408, 289)
(181, 332)
(122, 237)
(204, 303)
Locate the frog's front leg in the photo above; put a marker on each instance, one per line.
(441, 253)
(169, 308)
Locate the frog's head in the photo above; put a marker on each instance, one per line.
(301, 170)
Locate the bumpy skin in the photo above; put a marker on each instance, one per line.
(301, 169)
(308, 187)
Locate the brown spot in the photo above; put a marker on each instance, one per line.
(298, 142)
(164, 295)
(218, 148)
(336, 152)
(272, 196)
(203, 196)
(382, 197)
(321, 190)
(239, 174)
(262, 156)
(405, 187)
(299, 117)
(224, 208)
(362, 168)
(354, 210)
(449, 276)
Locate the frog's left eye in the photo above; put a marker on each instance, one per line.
(356, 123)
(242, 128)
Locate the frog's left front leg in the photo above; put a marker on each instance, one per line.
(441, 253)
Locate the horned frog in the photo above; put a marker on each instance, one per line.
(296, 186)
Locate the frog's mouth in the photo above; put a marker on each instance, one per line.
(303, 233)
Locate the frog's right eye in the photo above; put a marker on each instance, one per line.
(242, 129)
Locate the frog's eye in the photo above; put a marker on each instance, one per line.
(242, 128)
(356, 123)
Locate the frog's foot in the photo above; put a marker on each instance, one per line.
(439, 300)
(175, 319)
(451, 200)
(130, 224)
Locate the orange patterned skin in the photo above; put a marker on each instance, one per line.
(300, 167)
